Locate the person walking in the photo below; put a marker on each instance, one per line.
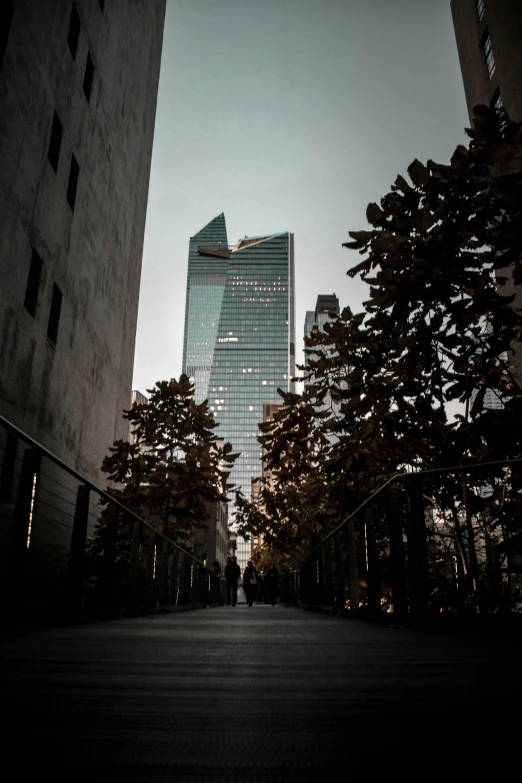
(272, 584)
(232, 574)
(250, 580)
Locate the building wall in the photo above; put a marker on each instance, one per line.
(503, 20)
(211, 542)
(69, 392)
(70, 396)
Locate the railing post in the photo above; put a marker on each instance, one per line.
(109, 557)
(353, 571)
(320, 576)
(164, 574)
(149, 584)
(328, 576)
(134, 562)
(417, 548)
(340, 599)
(397, 559)
(374, 585)
(174, 576)
(77, 551)
(182, 591)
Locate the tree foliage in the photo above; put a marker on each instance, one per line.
(174, 465)
(442, 325)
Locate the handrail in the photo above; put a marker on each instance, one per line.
(63, 465)
(410, 475)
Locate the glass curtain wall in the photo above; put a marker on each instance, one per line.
(205, 287)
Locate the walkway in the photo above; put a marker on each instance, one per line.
(256, 694)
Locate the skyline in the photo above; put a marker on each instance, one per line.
(296, 124)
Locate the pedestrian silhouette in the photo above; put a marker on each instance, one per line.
(232, 574)
(250, 581)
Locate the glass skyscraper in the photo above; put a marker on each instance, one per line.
(239, 343)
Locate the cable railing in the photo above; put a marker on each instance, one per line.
(403, 554)
(59, 565)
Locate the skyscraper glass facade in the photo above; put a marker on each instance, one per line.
(205, 287)
(240, 335)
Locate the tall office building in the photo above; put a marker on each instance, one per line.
(78, 90)
(489, 42)
(240, 335)
(205, 288)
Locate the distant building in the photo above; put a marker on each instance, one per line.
(489, 43)
(211, 542)
(239, 343)
(318, 318)
(137, 398)
(269, 409)
(78, 89)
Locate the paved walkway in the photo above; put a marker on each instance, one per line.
(256, 694)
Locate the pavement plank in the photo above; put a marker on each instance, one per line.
(255, 694)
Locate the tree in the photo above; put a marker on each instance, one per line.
(442, 323)
(175, 466)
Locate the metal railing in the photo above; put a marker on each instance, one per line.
(54, 565)
(384, 557)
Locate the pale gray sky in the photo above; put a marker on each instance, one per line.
(287, 115)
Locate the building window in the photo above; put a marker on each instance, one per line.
(487, 54)
(480, 8)
(6, 16)
(88, 77)
(73, 182)
(497, 104)
(54, 315)
(33, 284)
(8, 467)
(55, 142)
(74, 31)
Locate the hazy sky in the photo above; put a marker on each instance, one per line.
(287, 115)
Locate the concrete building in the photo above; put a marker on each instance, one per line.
(78, 90)
(489, 42)
(211, 542)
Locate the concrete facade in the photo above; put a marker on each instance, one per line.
(78, 90)
(70, 395)
(502, 21)
(211, 542)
